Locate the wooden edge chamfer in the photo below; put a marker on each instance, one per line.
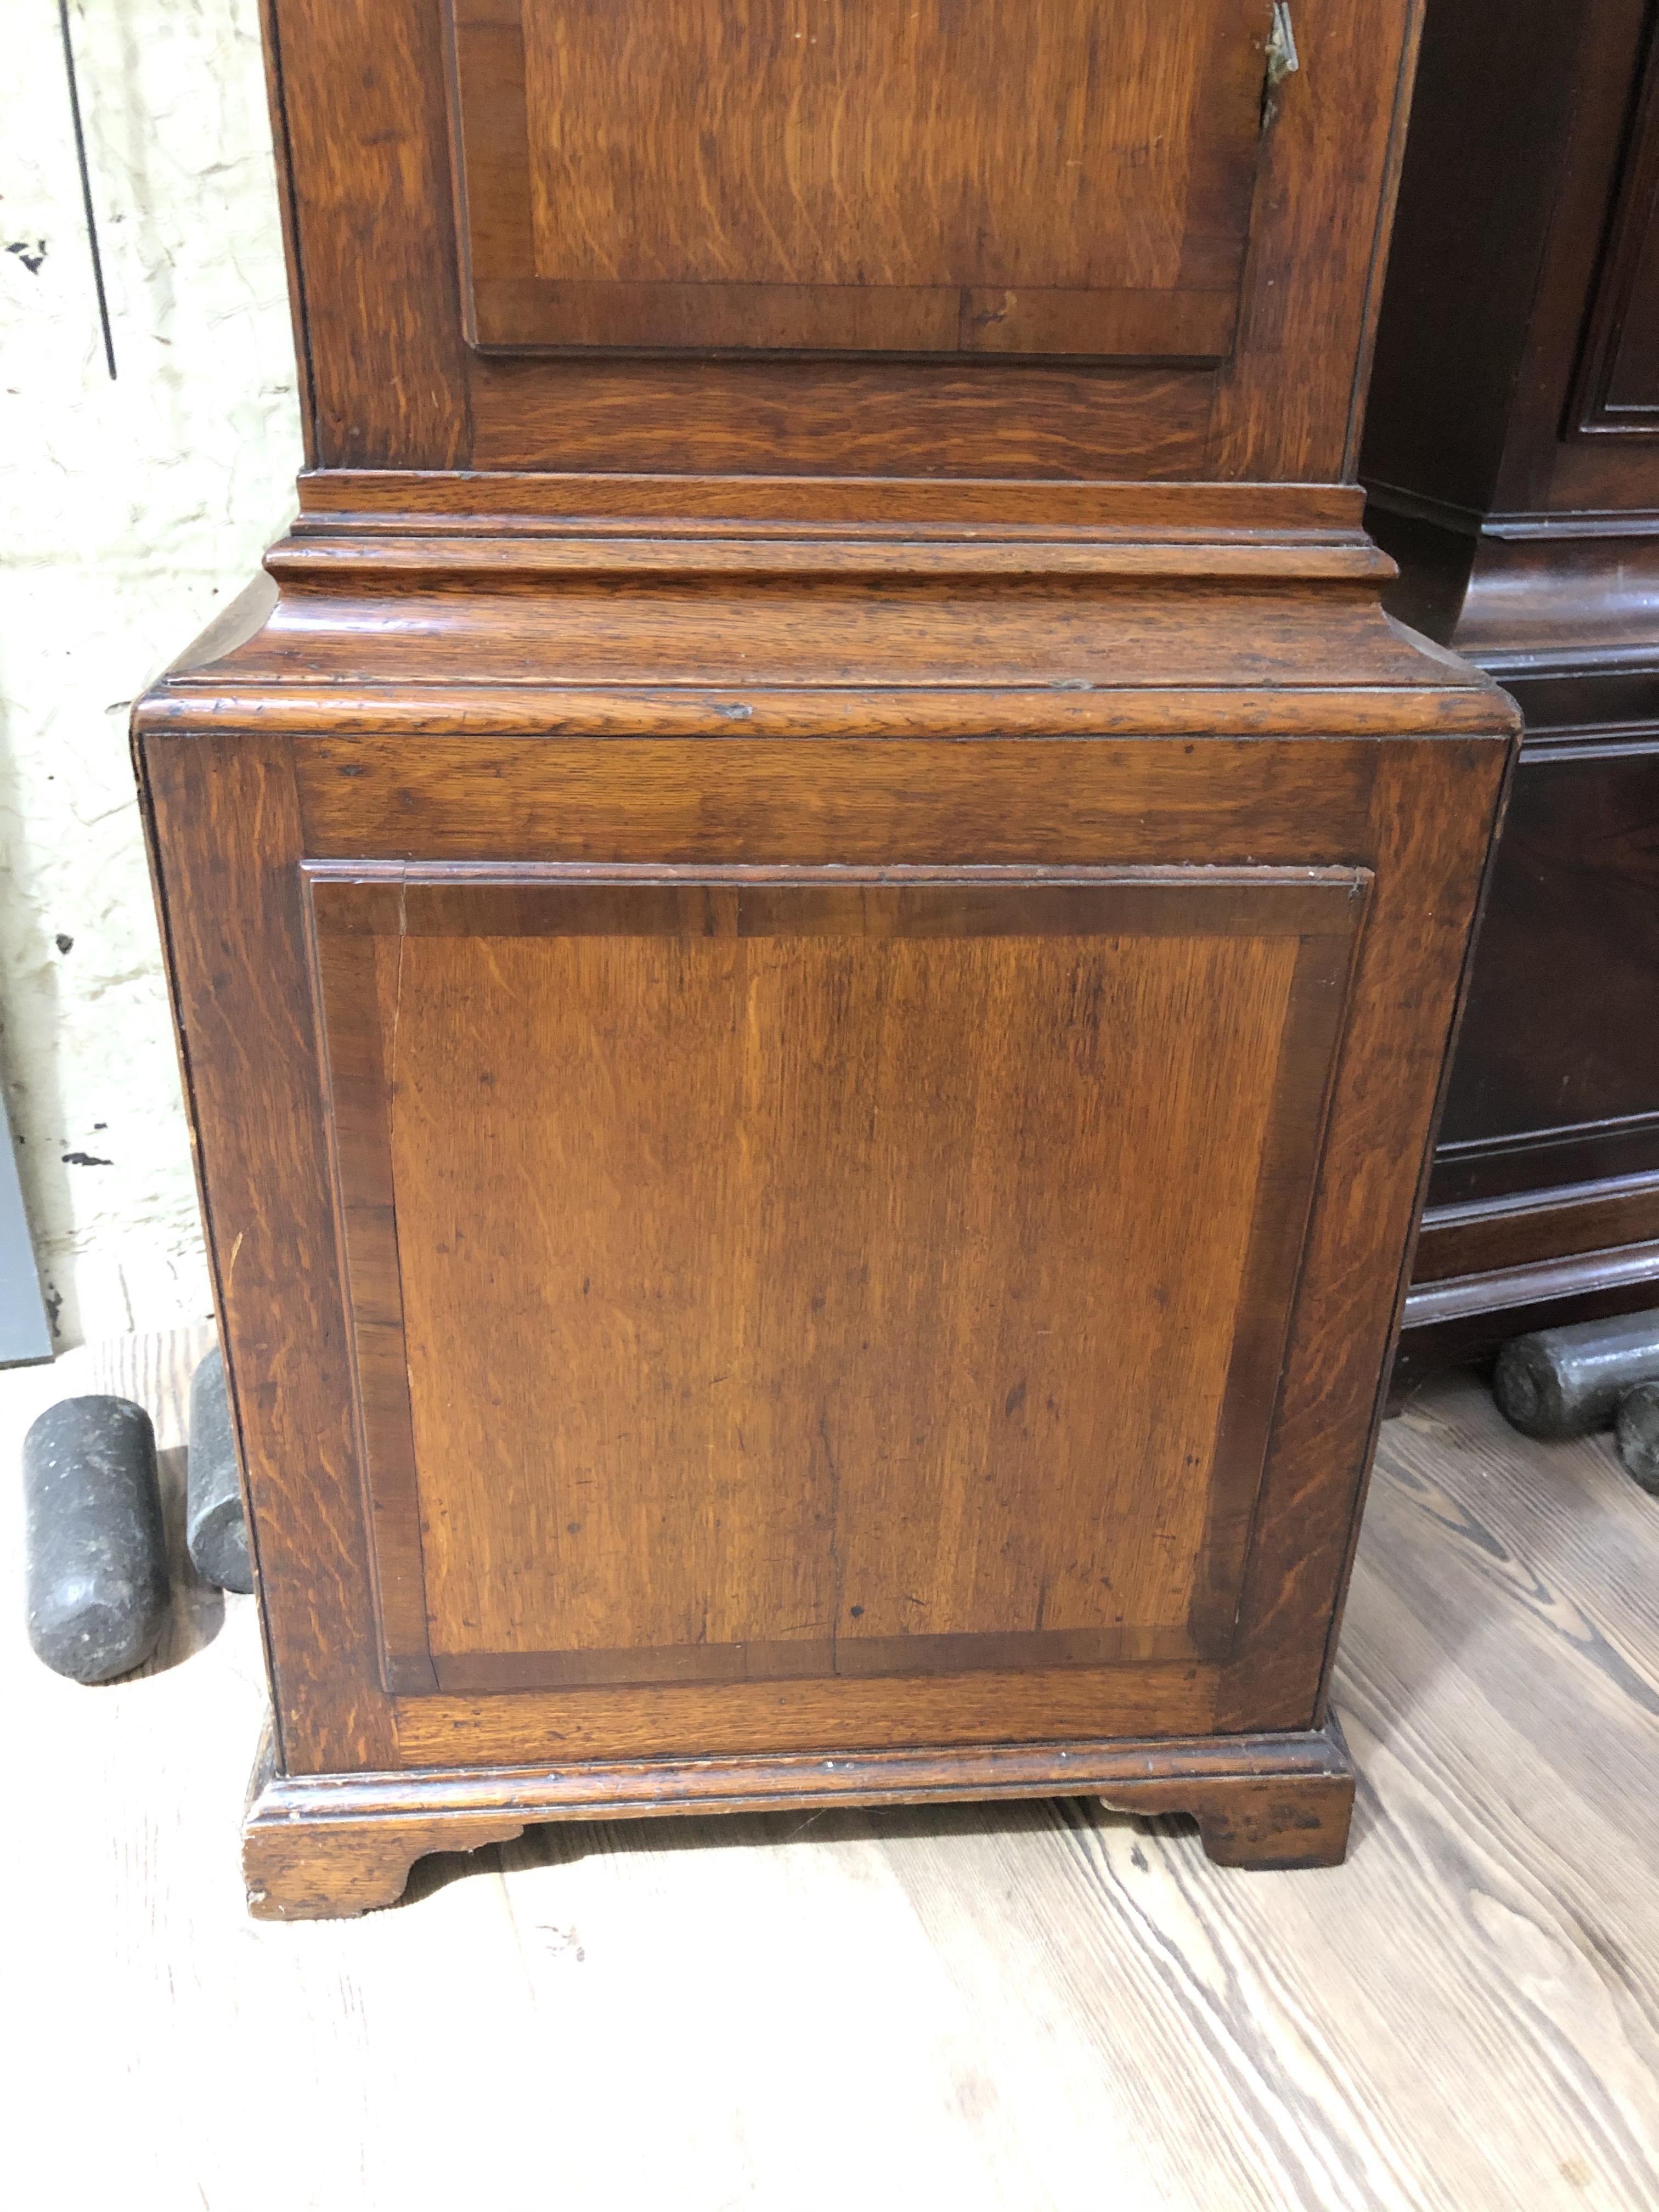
(326, 1846)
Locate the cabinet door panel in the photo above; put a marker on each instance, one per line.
(1556, 1080)
(1618, 378)
(803, 1274)
(953, 177)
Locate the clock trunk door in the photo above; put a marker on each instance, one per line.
(1069, 177)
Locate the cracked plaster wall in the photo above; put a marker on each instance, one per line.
(132, 511)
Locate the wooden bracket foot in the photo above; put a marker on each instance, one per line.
(304, 1859)
(1288, 1813)
(319, 1846)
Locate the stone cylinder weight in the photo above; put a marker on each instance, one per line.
(214, 1528)
(1566, 1382)
(94, 1543)
(1635, 1434)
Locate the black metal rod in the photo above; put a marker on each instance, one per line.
(86, 186)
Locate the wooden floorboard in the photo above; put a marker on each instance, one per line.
(1041, 2007)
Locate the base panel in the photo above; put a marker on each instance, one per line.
(323, 1846)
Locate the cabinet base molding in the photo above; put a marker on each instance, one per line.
(1496, 1268)
(326, 1846)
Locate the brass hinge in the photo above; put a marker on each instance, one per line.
(1282, 60)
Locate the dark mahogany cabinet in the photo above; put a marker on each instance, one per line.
(814, 917)
(1512, 455)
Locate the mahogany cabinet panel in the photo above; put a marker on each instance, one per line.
(1512, 455)
(719, 1314)
(1520, 244)
(1557, 1079)
(1618, 387)
(1064, 177)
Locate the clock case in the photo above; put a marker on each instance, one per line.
(814, 939)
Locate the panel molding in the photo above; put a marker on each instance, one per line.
(1487, 1236)
(363, 913)
(1623, 310)
(1507, 1290)
(1558, 1149)
(1494, 1268)
(511, 303)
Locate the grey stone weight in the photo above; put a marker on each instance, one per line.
(1566, 1382)
(1635, 1434)
(94, 1540)
(214, 1528)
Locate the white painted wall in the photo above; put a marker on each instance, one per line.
(128, 512)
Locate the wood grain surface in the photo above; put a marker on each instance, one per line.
(1036, 2007)
(1415, 816)
(737, 174)
(822, 1355)
(238, 971)
(717, 1317)
(1161, 105)
(866, 149)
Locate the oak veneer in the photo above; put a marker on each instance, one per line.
(782, 1237)
(363, 114)
(812, 1028)
(855, 182)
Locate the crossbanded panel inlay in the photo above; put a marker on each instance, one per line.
(759, 1275)
(737, 175)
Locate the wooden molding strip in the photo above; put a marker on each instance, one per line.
(481, 499)
(1487, 1236)
(322, 1845)
(600, 1789)
(548, 709)
(434, 561)
(1460, 1297)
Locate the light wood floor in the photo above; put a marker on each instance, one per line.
(1030, 2007)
